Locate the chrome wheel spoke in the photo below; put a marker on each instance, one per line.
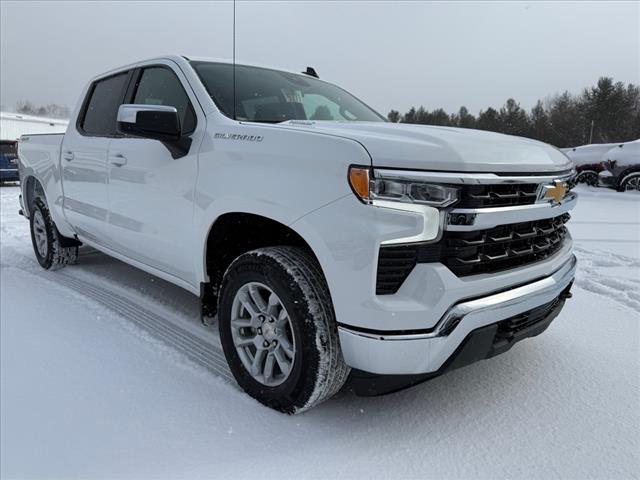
(257, 366)
(248, 304)
(268, 368)
(258, 301)
(286, 346)
(241, 322)
(283, 363)
(273, 305)
(245, 341)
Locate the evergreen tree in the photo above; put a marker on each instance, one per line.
(393, 116)
(567, 123)
(513, 119)
(563, 120)
(410, 116)
(465, 119)
(539, 123)
(488, 120)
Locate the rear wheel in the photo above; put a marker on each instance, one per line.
(53, 251)
(278, 329)
(630, 182)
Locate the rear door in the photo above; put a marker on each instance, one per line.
(84, 157)
(150, 192)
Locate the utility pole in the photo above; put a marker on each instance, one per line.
(591, 134)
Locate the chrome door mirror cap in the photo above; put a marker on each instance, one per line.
(128, 113)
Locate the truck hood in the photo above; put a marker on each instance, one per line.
(423, 147)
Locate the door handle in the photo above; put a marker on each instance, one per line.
(67, 155)
(117, 160)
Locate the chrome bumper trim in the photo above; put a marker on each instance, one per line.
(519, 299)
(485, 218)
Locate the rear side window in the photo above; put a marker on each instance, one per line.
(160, 86)
(102, 109)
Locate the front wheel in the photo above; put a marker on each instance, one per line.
(278, 329)
(53, 251)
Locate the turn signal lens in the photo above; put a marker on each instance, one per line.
(359, 181)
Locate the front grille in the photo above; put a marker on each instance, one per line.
(503, 247)
(474, 252)
(497, 195)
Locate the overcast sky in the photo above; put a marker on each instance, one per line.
(390, 54)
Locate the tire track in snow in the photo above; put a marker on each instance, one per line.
(208, 355)
(204, 353)
(595, 275)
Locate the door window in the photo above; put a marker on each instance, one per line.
(102, 108)
(160, 86)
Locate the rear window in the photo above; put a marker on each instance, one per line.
(102, 108)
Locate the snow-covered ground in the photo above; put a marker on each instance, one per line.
(106, 372)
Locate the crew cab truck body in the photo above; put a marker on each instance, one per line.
(328, 242)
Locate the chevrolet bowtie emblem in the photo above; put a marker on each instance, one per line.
(555, 192)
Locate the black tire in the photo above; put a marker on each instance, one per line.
(318, 371)
(59, 251)
(589, 177)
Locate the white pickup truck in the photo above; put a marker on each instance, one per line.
(328, 243)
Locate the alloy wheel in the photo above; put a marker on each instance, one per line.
(262, 334)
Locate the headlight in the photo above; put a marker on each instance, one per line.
(406, 189)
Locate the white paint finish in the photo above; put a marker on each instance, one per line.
(151, 205)
(14, 125)
(422, 147)
(346, 236)
(156, 212)
(84, 179)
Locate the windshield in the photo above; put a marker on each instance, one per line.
(272, 96)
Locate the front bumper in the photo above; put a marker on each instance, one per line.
(426, 351)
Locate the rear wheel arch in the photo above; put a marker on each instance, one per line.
(33, 189)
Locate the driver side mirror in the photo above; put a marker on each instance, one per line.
(159, 122)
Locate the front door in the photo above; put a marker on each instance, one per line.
(151, 192)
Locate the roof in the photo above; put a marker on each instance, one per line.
(188, 58)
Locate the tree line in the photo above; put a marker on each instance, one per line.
(605, 113)
(53, 110)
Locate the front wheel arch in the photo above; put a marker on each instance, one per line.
(233, 234)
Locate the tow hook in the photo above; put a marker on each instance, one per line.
(566, 293)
